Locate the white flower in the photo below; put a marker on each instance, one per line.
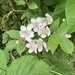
(35, 23)
(32, 46)
(48, 19)
(40, 44)
(26, 33)
(36, 46)
(44, 31)
(68, 35)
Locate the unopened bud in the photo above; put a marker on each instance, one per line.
(17, 41)
(63, 19)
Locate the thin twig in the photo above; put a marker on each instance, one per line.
(12, 8)
(7, 15)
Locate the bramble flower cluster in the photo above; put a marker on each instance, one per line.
(40, 27)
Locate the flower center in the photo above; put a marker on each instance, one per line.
(39, 43)
(26, 32)
(44, 31)
(35, 24)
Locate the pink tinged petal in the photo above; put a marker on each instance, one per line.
(30, 51)
(40, 48)
(33, 20)
(43, 35)
(22, 28)
(31, 34)
(30, 26)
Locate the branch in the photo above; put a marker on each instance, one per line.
(11, 5)
(12, 8)
(7, 15)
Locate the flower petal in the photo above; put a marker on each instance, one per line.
(35, 29)
(47, 49)
(35, 51)
(43, 35)
(29, 27)
(27, 45)
(31, 34)
(33, 20)
(22, 35)
(38, 19)
(22, 28)
(30, 51)
(40, 48)
(44, 44)
(27, 38)
(48, 30)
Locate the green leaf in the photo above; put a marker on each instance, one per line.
(49, 2)
(63, 28)
(14, 34)
(38, 2)
(20, 2)
(20, 48)
(32, 5)
(5, 37)
(66, 45)
(28, 65)
(54, 26)
(53, 42)
(2, 72)
(45, 9)
(28, 13)
(3, 59)
(70, 15)
(59, 11)
(62, 67)
(11, 45)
